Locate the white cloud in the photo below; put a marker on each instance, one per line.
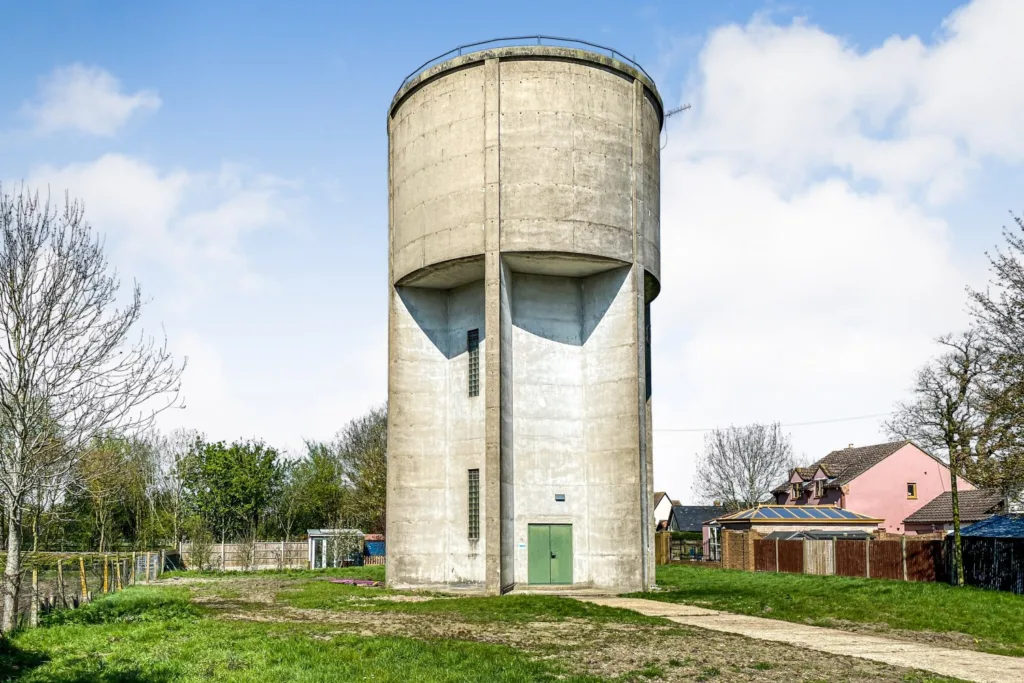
(85, 99)
(191, 223)
(807, 261)
(188, 237)
(793, 100)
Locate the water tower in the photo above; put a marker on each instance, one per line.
(524, 253)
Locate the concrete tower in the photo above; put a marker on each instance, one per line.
(523, 257)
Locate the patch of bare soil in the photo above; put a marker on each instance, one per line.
(634, 652)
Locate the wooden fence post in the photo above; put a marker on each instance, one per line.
(120, 586)
(776, 555)
(903, 552)
(60, 583)
(106, 574)
(148, 555)
(81, 578)
(867, 558)
(34, 613)
(835, 558)
(135, 562)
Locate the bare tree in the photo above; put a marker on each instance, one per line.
(175, 464)
(741, 465)
(68, 368)
(949, 414)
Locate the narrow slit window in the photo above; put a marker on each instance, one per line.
(474, 505)
(473, 346)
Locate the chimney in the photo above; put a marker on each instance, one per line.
(850, 445)
(716, 503)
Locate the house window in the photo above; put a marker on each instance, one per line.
(819, 488)
(474, 505)
(911, 491)
(795, 491)
(473, 346)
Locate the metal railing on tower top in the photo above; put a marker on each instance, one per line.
(520, 41)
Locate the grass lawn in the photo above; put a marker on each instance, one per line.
(296, 626)
(995, 620)
(157, 634)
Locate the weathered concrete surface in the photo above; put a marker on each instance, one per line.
(524, 202)
(966, 664)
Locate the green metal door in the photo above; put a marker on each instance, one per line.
(549, 549)
(561, 553)
(538, 544)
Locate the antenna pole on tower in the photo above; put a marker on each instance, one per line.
(673, 112)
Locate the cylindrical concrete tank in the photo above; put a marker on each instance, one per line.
(524, 253)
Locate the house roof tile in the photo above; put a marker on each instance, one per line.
(692, 517)
(845, 465)
(974, 505)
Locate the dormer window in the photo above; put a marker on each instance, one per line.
(795, 491)
(819, 488)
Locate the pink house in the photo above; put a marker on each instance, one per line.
(888, 481)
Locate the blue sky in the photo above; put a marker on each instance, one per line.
(824, 203)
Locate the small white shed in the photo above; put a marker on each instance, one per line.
(333, 547)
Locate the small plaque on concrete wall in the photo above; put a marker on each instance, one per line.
(559, 497)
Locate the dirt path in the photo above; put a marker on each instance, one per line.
(965, 664)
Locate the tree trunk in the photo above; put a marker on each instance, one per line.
(958, 558)
(12, 570)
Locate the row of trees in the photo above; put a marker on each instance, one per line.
(152, 490)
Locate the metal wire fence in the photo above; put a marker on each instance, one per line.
(52, 581)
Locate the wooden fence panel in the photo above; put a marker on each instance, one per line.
(818, 558)
(886, 560)
(269, 555)
(791, 557)
(925, 561)
(851, 558)
(764, 556)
